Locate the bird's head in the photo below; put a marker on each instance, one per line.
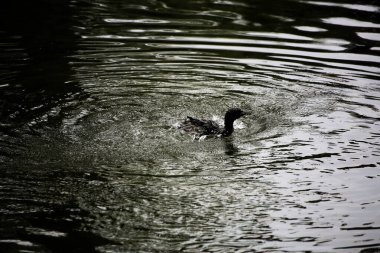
(234, 113)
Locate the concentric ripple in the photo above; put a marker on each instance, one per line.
(91, 158)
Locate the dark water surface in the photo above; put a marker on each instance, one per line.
(91, 92)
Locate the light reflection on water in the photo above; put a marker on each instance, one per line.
(91, 159)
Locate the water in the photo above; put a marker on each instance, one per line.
(91, 162)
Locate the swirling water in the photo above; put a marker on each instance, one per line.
(91, 160)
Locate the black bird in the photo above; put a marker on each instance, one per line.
(210, 128)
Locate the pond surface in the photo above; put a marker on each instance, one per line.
(91, 92)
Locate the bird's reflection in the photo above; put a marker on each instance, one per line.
(229, 147)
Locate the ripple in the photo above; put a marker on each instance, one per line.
(229, 41)
(100, 159)
(138, 21)
(360, 7)
(342, 21)
(271, 35)
(277, 51)
(166, 22)
(310, 29)
(370, 36)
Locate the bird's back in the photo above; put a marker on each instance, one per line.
(200, 126)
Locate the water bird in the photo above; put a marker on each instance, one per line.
(208, 128)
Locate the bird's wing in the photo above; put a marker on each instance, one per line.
(211, 127)
(200, 126)
(196, 122)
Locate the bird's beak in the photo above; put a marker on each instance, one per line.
(245, 113)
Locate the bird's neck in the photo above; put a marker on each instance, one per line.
(228, 127)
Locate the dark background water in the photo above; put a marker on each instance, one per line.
(91, 92)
